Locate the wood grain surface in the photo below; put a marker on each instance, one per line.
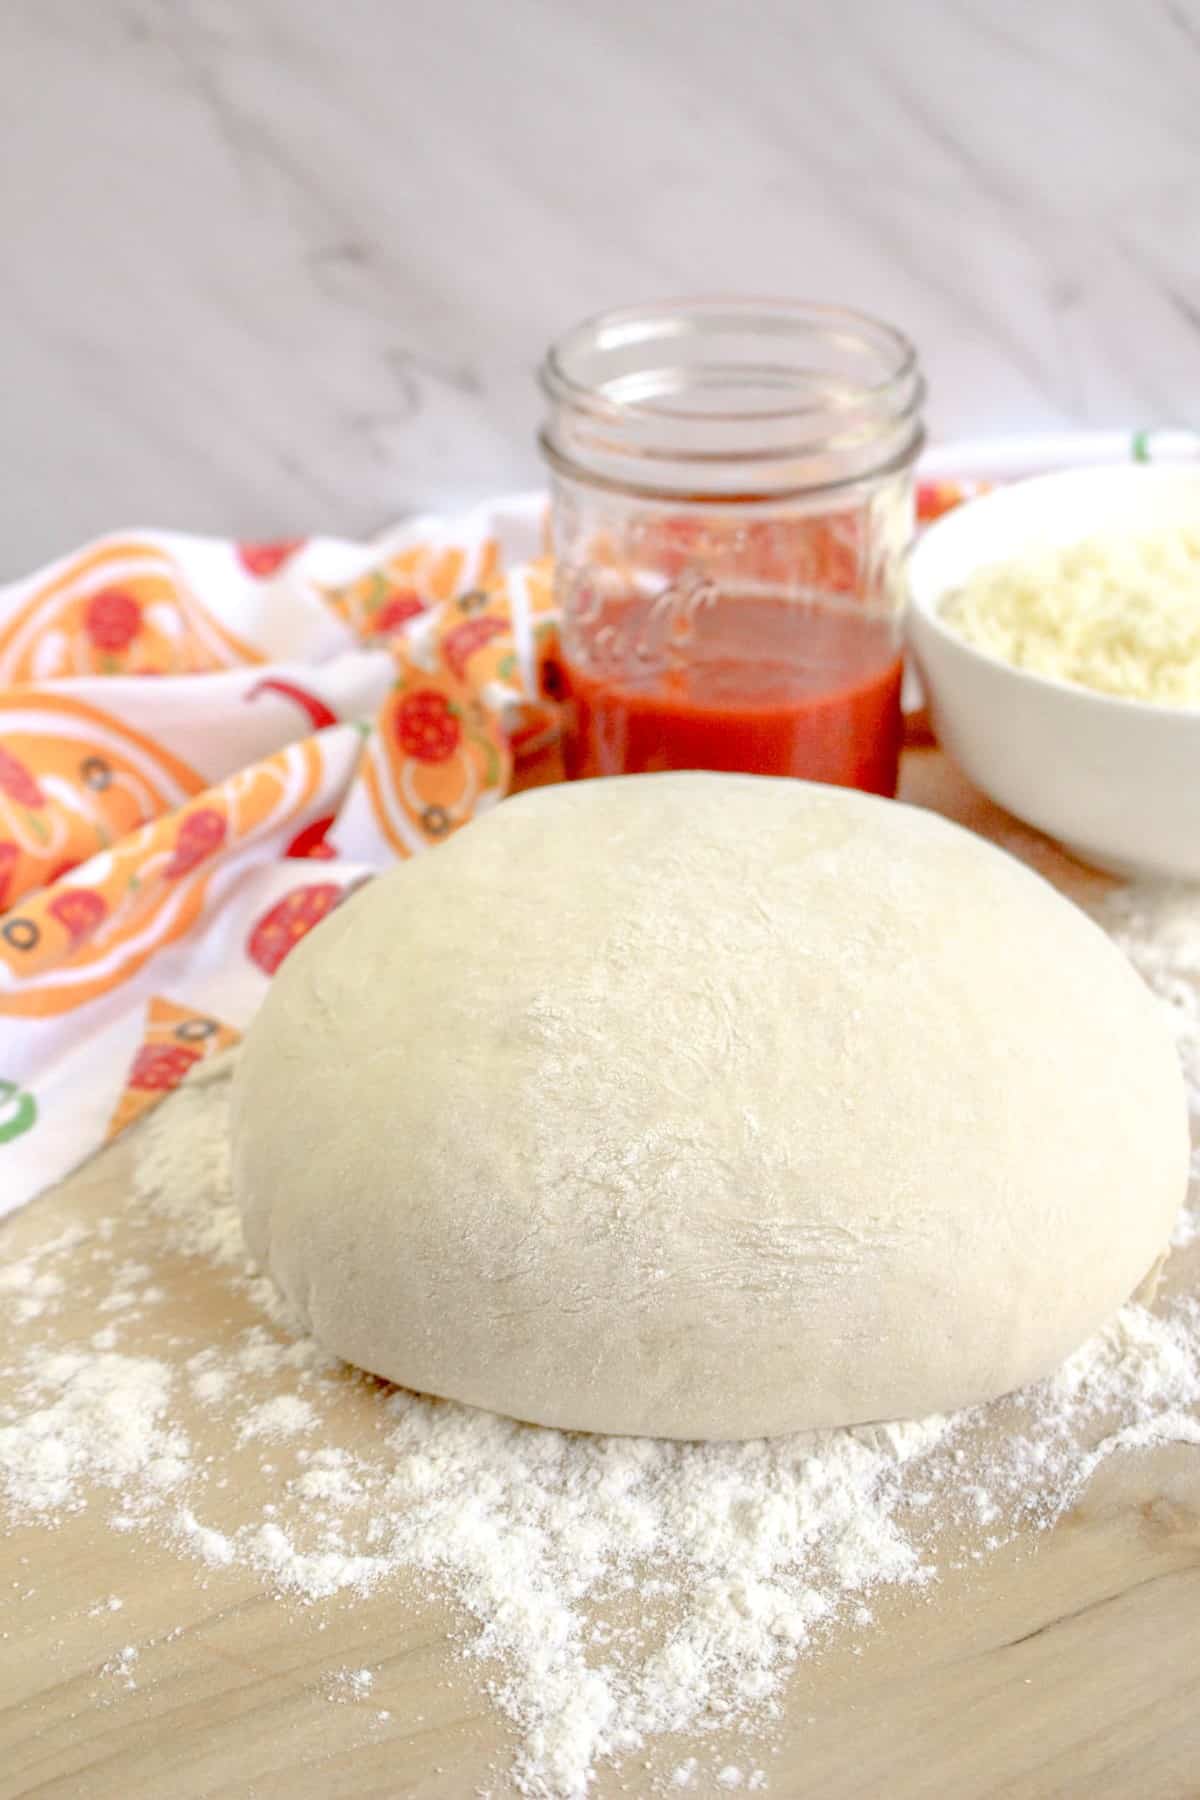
(1063, 1664)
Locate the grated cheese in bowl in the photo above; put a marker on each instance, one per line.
(1116, 612)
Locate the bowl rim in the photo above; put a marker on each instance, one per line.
(1081, 476)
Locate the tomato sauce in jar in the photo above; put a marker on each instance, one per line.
(742, 699)
(732, 500)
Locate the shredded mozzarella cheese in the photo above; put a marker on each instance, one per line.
(1114, 612)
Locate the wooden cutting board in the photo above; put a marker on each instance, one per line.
(1063, 1664)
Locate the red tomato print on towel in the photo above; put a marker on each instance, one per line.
(277, 933)
(78, 911)
(200, 835)
(459, 645)
(426, 726)
(174, 1039)
(17, 783)
(394, 614)
(112, 619)
(157, 1068)
(267, 559)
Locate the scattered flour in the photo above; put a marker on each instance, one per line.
(611, 1590)
(27, 1291)
(86, 1418)
(213, 1547)
(208, 1380)
(350, 1684)
(113, 1603)
(121, 1666)
(281, 1417)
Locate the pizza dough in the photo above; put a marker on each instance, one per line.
(708, 1106)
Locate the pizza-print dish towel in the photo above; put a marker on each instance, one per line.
(204, 747)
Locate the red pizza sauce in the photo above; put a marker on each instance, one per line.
(765, 686)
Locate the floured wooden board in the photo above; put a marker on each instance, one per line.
(1062, 1663)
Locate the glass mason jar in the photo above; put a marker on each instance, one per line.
(732, 500)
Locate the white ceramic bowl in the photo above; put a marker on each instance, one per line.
(1117, 781)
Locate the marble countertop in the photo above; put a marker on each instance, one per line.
(276, 266)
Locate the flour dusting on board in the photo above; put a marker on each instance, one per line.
(609, 1590)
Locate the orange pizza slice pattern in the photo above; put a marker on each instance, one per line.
(175, 1038)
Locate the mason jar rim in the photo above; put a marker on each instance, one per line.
(664, 319)
(712, 398)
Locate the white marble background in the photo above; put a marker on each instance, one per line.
(273, 266)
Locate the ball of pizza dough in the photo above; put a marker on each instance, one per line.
(708, 1106)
